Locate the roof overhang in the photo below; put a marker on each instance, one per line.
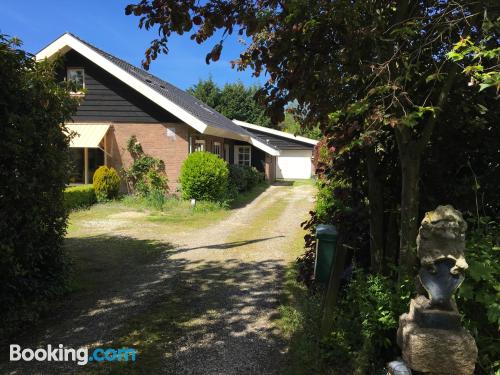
(264, 147)
(67, 42)
(245, 138)
(276, 132)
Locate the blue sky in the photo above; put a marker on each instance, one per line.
(104, 24)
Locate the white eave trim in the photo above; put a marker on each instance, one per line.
(275, 132)
(261, 145)
(67, 41)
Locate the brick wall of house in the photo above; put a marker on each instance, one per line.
(168, 142)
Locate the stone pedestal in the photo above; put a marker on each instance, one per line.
(432, 350)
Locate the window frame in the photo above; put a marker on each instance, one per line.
(74, 68)
(237, 155)
(200, 142)
(219, 145)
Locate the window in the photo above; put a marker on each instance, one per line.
(92, 159)
(217, 149)
(77, 76)
(199, 145)
(243, 155)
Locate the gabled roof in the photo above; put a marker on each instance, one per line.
(184, 106)
(277, 138)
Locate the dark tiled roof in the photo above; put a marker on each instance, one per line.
(188, 102)
(280, 143)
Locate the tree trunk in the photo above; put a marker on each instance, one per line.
(410, 151)
(391, 241)
(410, 175)
(376, 211)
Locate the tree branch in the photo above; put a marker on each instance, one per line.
(443, 96)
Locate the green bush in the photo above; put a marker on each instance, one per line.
(244, 177)
(153, 182)
(253, 176)
(106, 183)
(479, 296)
(79, 197)
(146, 176)
(35, 165)
(365, 324)
(204, 176)
(237, 178)
(156, 199)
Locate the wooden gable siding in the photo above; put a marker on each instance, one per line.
(109, 99)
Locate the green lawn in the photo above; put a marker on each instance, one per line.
(178, 214)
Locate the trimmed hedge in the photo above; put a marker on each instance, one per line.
(79, 197)
(35, 162)
(106, 183)
(204, 176)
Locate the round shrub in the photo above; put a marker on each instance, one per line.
(204, 176)
(106, 183)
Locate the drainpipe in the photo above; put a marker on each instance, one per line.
(105, 150)
(86, 164)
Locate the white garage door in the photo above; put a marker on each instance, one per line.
(294, 164)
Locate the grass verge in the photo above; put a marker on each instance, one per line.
(299, 320)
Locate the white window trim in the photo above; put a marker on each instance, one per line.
(237, 154)
(70, 68)
(199, 142)
(219, 154)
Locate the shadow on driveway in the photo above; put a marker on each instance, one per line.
(183, 316)
(228, 245)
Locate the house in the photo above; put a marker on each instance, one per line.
(118, 100)
(294, 161)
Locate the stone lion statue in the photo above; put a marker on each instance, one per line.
(442, 236)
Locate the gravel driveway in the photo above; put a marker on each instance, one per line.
(223, 283)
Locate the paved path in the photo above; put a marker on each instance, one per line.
(229, 274)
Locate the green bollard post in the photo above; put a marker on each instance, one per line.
(326, 240)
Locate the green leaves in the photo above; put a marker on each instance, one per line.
(480, 59)
(478, 297)
(358, 108)
(435, 77)
(412, 119)
(147, 174)
(365, 322)
(106, 183)
(204, 176)
(34, 171)
(235, 101)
